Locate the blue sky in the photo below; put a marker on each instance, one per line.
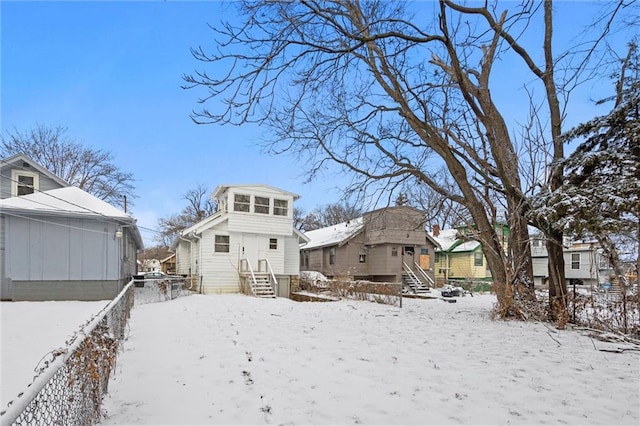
(111, 73)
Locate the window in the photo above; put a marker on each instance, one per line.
(261, 205)
(394, 251)
(424, 251)
(280, 207)
(477, 258)
(437, 258)
(273, 243)
(304, 259)
(362, 257)
(575, 260)
(332, 255)
(23, 183)
(241, 202)
(222, 244)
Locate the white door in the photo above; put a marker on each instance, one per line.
(250, 249)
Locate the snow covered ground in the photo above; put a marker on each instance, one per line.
(233, 359)
(31, 330)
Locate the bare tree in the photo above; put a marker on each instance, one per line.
(199, 206)
(439, 209)
(156, 252)
(89, 169)
(328, 215)
(390, 98)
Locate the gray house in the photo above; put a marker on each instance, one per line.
(58, 242)
(385, 245)
(584, 263)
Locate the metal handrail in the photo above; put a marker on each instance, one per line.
(270, 270)
(424, 274)
(409, 271)
(253, 276)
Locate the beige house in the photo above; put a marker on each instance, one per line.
(249, 244)
(385, 245)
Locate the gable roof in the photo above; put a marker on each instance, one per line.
(32, 163)
(222, 188)
(450, 242)
(334, 235)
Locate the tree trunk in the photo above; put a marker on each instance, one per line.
(557, 286)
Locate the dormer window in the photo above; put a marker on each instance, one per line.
(241, 203)
(261, 205)
(24, 183)
(280, 207)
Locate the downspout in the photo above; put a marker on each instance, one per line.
(199, 261)
(190, 251)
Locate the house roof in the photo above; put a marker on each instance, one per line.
(332, 235)
(449, 241)
(32, 163)
(222, 188)
(68, 201)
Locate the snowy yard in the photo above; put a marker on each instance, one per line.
(234, 359)
(30, 331)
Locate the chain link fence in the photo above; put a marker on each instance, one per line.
(160, 290)
(68, 387)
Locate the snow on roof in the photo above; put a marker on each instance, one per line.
(63, 200)
(448, 238)
(334, 234)
(466, 246)
(223, 187)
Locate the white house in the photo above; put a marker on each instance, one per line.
(584, 263)
(249, 243)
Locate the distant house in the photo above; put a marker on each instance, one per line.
(149, 265)
(250, 242)
(168, 264)
(584, 263)
(459, 257)
(385, 245)
(58, 242)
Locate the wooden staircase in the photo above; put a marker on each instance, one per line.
(411, 281)
(262, 286)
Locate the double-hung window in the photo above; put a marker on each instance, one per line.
(575, 260)
(261, 205)
(280, 207)
(241, 203)
(23, 183)
(221, 244)
(477, 258)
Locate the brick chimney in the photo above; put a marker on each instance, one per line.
(436, 230)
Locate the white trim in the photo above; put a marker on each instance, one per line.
(15, 175)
